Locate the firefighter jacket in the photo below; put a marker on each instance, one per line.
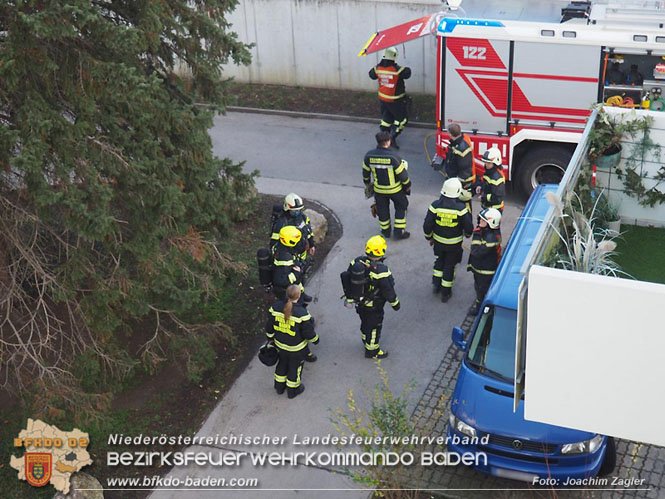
(391, 79)
(485, 250)
(493, 185)
(447, 221)
(287, 266)
(300, 222)
(388, 169)
(459, 161)
(292, 334)
(380, 287)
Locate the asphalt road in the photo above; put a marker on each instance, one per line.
(321, 160)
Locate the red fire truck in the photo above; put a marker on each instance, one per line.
(528, 87)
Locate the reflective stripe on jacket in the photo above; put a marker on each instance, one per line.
(388, 169)
(284, 261)
(494, 189)
(447, 221)
(292, 334)
(381, 286)
(301, 222)
(459, 161)
(485, 250)
(391, 79)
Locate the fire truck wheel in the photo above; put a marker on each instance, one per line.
(542, 165)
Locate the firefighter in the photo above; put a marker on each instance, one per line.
(292, 213)
(392, 94)
(391, 182)
(291, 328)
(459, 158)
(447, 221)
(492, 188)
(287, 264)
(485, 254)
(379, 289)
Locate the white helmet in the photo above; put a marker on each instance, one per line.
(293, 202)
(390, 53)
(452, 188)
(492, 216)
(492, 155)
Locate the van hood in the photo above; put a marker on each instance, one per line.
(487, 405)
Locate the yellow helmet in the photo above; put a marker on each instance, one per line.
(290, 235)
(376, 246)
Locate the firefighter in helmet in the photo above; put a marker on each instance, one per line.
(392, 93)
(485, 254)
(291, 328)
(391, 183)
(379, 289)
(459, 158)
(287, 264)
(446, 224)
(492, 188)
(292, 214)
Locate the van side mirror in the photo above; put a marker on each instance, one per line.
(458, 338)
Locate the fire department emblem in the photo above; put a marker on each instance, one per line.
(38, 468)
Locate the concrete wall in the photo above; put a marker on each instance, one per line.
(629, 208)
(599, 366)
(315, 43)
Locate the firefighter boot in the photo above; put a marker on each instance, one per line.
(294, 392)
(310, 357)
(376, 354)
(386, 233)
(445, 295)
(306, 298)
(279, 387)
(475, 308)
(436, 285)
(402, 234)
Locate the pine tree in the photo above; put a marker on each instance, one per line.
(110, 197)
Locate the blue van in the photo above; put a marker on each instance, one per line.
(482, 404)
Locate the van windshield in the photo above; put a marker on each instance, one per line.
(492, 349)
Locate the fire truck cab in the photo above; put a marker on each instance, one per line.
(528, 87)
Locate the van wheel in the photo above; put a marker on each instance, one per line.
(542, 165)
(610, 460)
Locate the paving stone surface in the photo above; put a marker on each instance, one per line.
(634, 459)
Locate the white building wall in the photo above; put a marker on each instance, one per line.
(629, 208)
(315, 43)
(598, 367)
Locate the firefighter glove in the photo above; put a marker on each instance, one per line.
(396, 307)
(369, 191)
(374, 210)
(408, 191)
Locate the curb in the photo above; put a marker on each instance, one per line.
(334, 117)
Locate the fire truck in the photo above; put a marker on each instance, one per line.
(528, 87)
